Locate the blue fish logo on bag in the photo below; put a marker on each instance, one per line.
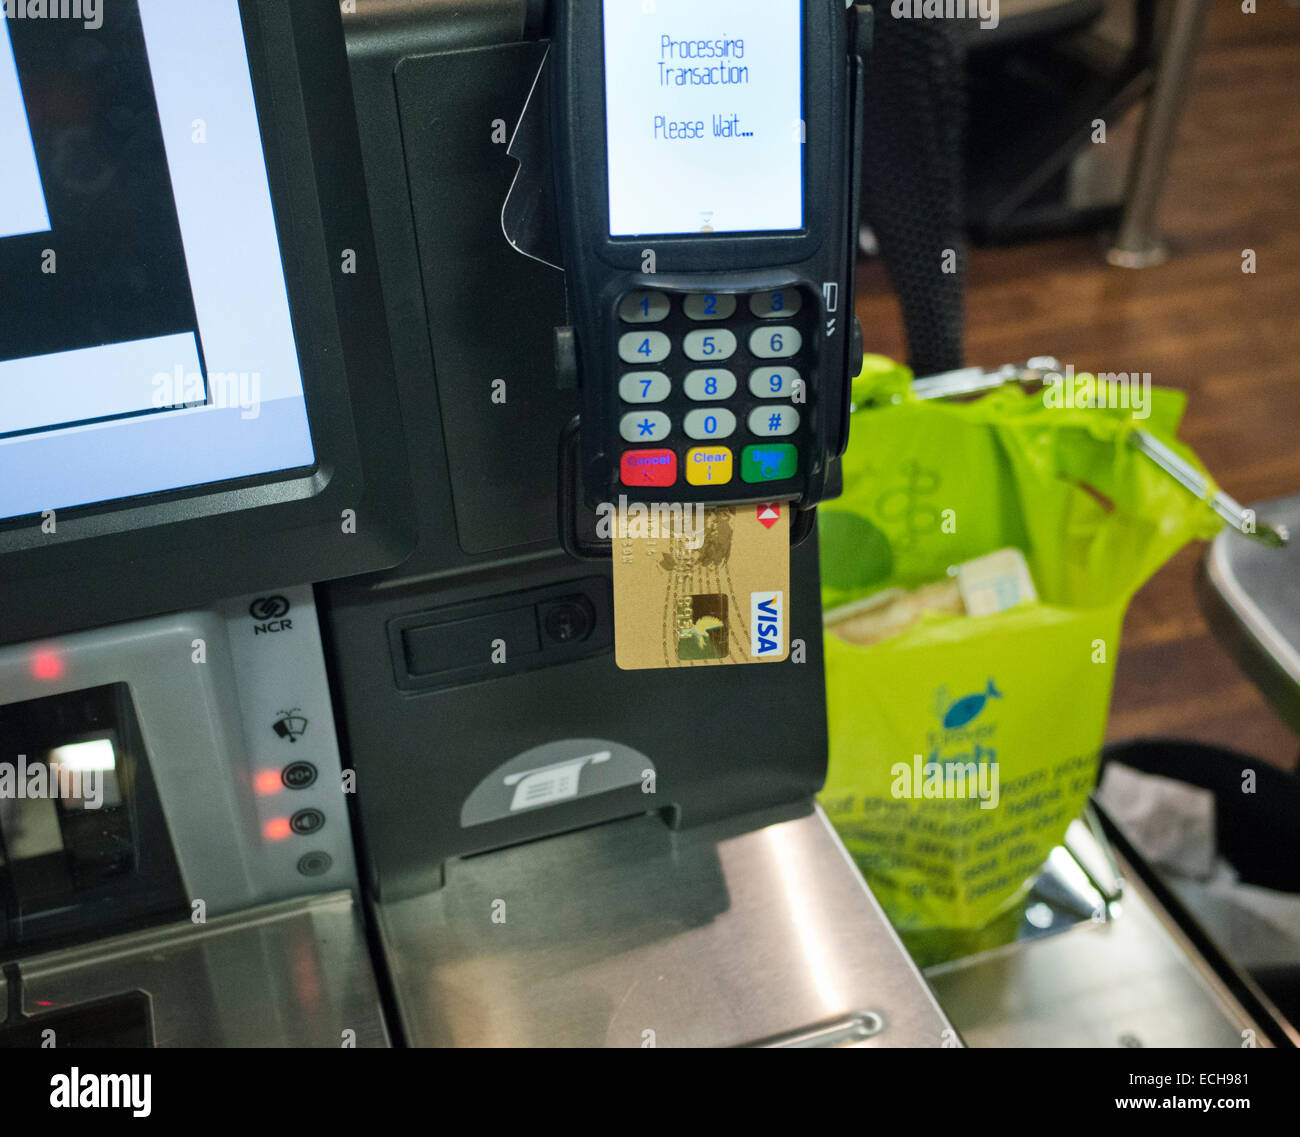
(965, 709)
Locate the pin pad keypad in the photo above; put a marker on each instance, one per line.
(713, 388)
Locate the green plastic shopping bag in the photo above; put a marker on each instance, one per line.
(962, 748)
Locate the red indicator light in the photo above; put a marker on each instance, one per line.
(47, 665)
(277, 829)
(267, 782)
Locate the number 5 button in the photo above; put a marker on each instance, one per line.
(709, 346)
(775, 343)
(644, 347)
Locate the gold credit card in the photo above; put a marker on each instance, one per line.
(699, 586)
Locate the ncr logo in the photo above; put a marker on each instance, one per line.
(270, 612)
(767, 624)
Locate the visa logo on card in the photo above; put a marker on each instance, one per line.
(767, 619)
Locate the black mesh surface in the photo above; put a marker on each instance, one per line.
(912, 184)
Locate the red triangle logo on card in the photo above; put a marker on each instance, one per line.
(769, 515)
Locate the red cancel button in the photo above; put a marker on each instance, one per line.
(649, 468)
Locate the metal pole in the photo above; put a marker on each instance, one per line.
(1138, 243)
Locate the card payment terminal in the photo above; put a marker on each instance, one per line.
(705, 168)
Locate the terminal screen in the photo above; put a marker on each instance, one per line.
(704, 116)
(146, 343)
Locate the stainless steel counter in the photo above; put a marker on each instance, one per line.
(631, 934)
(1253, 604)
(292, 974)
(1130, 980)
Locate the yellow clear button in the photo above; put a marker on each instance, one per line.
(708, 466)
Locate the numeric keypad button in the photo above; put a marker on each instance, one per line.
(709, 306)
(780, 342)
(782, 304)
(774, 382)
(709, 346)
(644, 347)
(644, 426)
(773, 421)
(714, 422)
(644, 387)
(703, 386)
(643, 308)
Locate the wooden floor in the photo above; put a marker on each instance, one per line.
(1231, 340)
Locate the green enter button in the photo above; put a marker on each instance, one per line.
(771, 463)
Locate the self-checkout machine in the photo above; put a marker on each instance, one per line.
(274, 349)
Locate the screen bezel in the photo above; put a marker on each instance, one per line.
(795, 230)
(584, 173)
(187, 546)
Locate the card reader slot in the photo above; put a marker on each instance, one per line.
(499, 636)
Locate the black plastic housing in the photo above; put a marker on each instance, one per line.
(466, 308)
